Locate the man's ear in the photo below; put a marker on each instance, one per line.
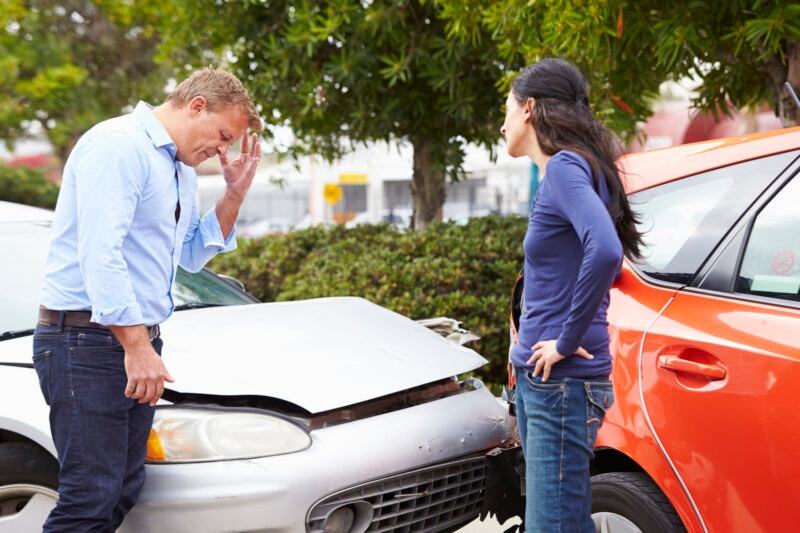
(196, 105)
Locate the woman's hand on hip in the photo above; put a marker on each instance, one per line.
(545, 355)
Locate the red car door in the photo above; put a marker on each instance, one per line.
(720, 371)
(721, 379)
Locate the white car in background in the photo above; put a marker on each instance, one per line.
(264, 226)
(328, 415)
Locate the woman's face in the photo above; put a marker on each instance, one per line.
(517, 128)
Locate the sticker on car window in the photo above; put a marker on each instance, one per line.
(775, 284)
(783, 263)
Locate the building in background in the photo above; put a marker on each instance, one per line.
(673, 122)
(374, 185)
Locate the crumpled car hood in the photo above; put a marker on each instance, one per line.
(319, 354)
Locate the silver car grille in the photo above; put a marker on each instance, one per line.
(438, 498)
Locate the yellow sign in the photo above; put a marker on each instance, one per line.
(352, 179)
(332, 193)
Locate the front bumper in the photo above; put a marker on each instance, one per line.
(277, 494)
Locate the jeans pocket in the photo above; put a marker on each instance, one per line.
(41, 355)
(46, 347)
(537, 384)
(599, 399)
(100, 339)
(41, 363)
(549, 394)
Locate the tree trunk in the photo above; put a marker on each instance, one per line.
(777, 74)
(61, 150)
(790, 115)
(427, 186)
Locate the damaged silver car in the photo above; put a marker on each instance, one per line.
(327, 415)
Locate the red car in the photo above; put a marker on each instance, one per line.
(705, 333)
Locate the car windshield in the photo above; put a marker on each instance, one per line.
(204, 289)
(25, 247)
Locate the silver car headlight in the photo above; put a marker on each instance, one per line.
(184, 435)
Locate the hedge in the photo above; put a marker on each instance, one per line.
(27, 186)
(464, 272)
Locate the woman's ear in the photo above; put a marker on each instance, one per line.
(530, 103)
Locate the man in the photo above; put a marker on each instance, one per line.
(126, 217)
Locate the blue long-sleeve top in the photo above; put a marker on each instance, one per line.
(572, 257)
(117, 241)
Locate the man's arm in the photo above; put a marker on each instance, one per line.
(145, 369)
(213, 233)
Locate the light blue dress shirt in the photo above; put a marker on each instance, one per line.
(115, 243)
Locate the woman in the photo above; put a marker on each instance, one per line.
(580, 226)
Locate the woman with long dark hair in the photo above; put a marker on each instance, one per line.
(580, 227)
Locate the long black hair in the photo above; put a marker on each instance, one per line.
(563, 120)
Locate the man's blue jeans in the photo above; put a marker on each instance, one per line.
(99, 434)
(558, 422)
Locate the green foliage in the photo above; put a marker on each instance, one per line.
(27, 186)
(740, 50)
(464, 272)
(622, 81)
(341, 73)
(68, 64)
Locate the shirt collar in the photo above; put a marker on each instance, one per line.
(161, 139)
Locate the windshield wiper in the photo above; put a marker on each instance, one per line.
(16, 333)
(197, 305)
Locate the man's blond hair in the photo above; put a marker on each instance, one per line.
(221, 89)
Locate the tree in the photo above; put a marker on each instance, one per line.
(340, 73)
(742, 52)
(67, 64)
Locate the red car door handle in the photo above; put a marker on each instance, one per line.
(671, 362)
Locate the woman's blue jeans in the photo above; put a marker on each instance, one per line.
(558, 422)
(99, 434)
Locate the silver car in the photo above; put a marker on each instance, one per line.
(327, 415)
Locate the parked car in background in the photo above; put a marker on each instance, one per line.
(329, 415)
(705, 333)
(398, 217)
(264, 226)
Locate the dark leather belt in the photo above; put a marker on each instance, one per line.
(80, 319)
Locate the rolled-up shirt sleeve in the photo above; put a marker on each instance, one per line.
(204, 240)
